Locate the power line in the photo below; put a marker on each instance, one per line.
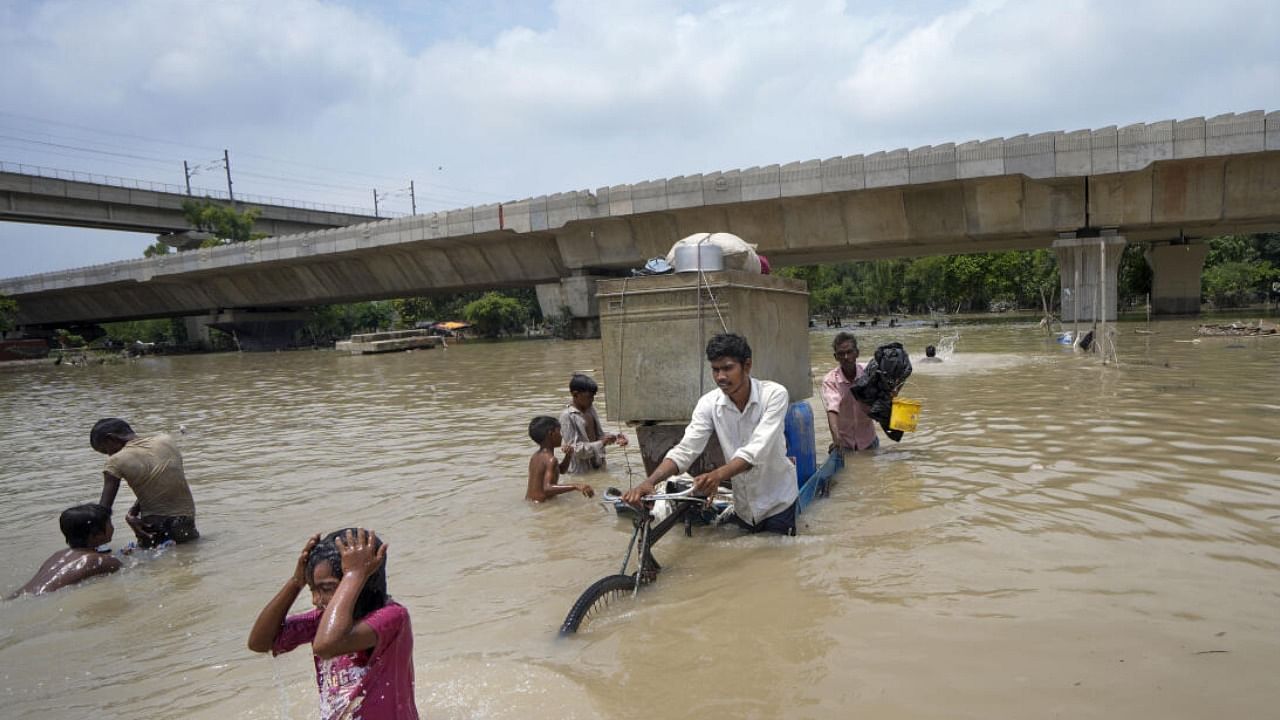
(313, 166)
(172, 162)
(84, 149)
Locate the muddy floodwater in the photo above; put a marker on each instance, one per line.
(1058, 539)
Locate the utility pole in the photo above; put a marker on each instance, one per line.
(375, 203)
(226, 162)
(413, 201)
(187, 171)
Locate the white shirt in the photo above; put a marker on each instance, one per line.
(756, 435)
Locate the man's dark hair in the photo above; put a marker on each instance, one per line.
(105, 427)
(583, 383)
(842, 337)
(930, 351)
(541, 426)
(82, 522)
(730, 345)
(374, 593)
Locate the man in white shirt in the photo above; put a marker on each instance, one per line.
(747, 416)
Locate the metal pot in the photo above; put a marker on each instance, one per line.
(705, 257)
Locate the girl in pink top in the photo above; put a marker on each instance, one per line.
(361, 640)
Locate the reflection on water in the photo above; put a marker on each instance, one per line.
(1058, 537)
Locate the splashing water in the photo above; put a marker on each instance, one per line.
(947, 345)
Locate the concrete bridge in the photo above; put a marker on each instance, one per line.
(1084, 193)
(52, 197)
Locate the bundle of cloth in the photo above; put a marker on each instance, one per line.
(881, 380)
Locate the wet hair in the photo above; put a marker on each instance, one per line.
(541, 426)
(105, 427)
(374, 593)
(844, 336)
(82, 522)
(930, 351)
(730, 345)
(583, 383)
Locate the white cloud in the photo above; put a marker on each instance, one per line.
(587, 94)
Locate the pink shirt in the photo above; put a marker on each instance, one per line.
(856, 429)
(372, 684)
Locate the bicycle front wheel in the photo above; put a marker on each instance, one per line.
(595, 599)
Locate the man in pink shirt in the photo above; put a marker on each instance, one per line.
(851, 427)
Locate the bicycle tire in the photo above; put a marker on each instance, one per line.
(595, 598)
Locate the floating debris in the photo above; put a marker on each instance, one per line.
(1237, 329)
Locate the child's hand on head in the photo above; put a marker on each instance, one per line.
(567, 450)
(358, 553)
(300, 569)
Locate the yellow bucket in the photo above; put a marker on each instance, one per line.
(905, 413)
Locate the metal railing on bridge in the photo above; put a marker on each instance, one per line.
(134, 184)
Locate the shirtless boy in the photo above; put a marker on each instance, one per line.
(85, 527)
(544, 471)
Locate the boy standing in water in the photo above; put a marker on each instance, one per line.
(153, 468)
(580, 425)
(544, 471)
(86, 527)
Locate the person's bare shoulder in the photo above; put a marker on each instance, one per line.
(537, 468)
(68, 567)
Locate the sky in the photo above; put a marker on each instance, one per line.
(332, 101)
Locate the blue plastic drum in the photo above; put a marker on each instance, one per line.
(801, 445)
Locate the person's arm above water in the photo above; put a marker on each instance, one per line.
(110, 486)
(544, 480)
(831, 397)
(680, 457)
(339, 633)
(263, 634)
(551, 482)
(575, 437)
(568, 458)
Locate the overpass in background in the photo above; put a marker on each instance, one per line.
(1166, 184)
(32, 194)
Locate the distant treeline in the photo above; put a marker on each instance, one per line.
(1238, 271)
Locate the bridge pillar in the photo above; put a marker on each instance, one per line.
(253, 330)
(1175, 277)
(1083, 265)
(577, 293)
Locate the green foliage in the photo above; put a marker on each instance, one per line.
(147, 331)
(494, 313)
(411, 311)
(157, 248)
(226, 223)
(8, 309)
(1235, 284)
(67, 339)
(1133, 282)
(1239, 269)
(1232, 249)
(338, 322)
(953, 283)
